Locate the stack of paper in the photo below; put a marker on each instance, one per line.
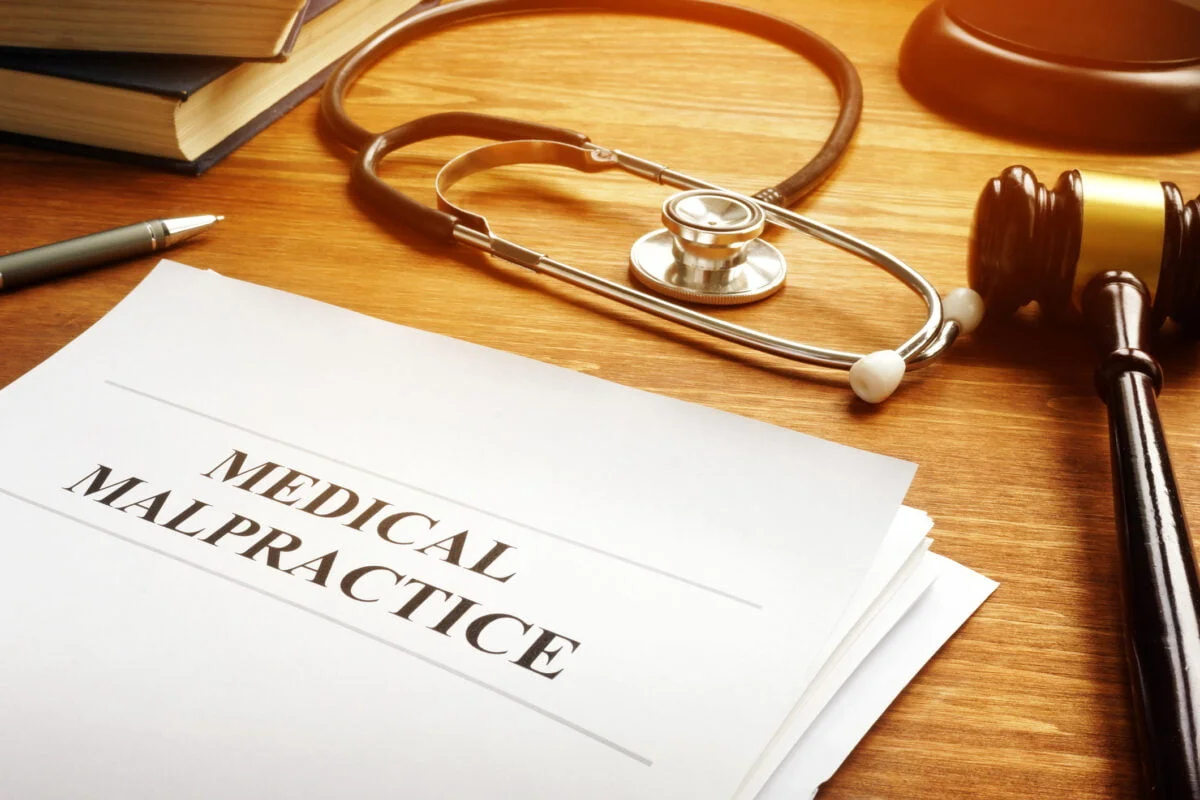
(258, 546)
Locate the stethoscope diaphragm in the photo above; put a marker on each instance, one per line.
(709, 252)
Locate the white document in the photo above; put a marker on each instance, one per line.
(900, 574)
(260, 546)
(933, 619)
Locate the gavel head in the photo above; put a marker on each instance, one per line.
(1030, 243)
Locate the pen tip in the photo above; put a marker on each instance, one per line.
(220, 217)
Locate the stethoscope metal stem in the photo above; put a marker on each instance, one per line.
(699, 321)
(840, 239)
(933, 337)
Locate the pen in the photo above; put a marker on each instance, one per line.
(73, 255)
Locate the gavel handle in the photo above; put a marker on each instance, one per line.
(1162, 615)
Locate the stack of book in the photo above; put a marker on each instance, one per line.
(179, 84)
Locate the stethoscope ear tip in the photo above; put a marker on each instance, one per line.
(876, 375)
(964, 306)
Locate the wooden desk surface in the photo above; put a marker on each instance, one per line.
(1030, 698)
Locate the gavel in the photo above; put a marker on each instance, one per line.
(1119, 256)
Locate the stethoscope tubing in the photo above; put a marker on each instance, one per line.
(430, 16)
(448, 223)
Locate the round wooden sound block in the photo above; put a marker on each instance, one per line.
(1101, 73)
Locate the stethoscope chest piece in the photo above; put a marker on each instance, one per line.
(709, 251)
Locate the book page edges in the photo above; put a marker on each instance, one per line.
(243, 93)
(102, 116)
(243, 30)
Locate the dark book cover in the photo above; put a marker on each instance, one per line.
(294, 33)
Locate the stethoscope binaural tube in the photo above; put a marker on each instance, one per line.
(873, 376)
(430, 16)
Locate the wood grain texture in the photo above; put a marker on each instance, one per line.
(1029, 699)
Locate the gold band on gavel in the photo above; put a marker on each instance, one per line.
(1124, 222)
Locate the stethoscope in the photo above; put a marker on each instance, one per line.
(708, 252)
